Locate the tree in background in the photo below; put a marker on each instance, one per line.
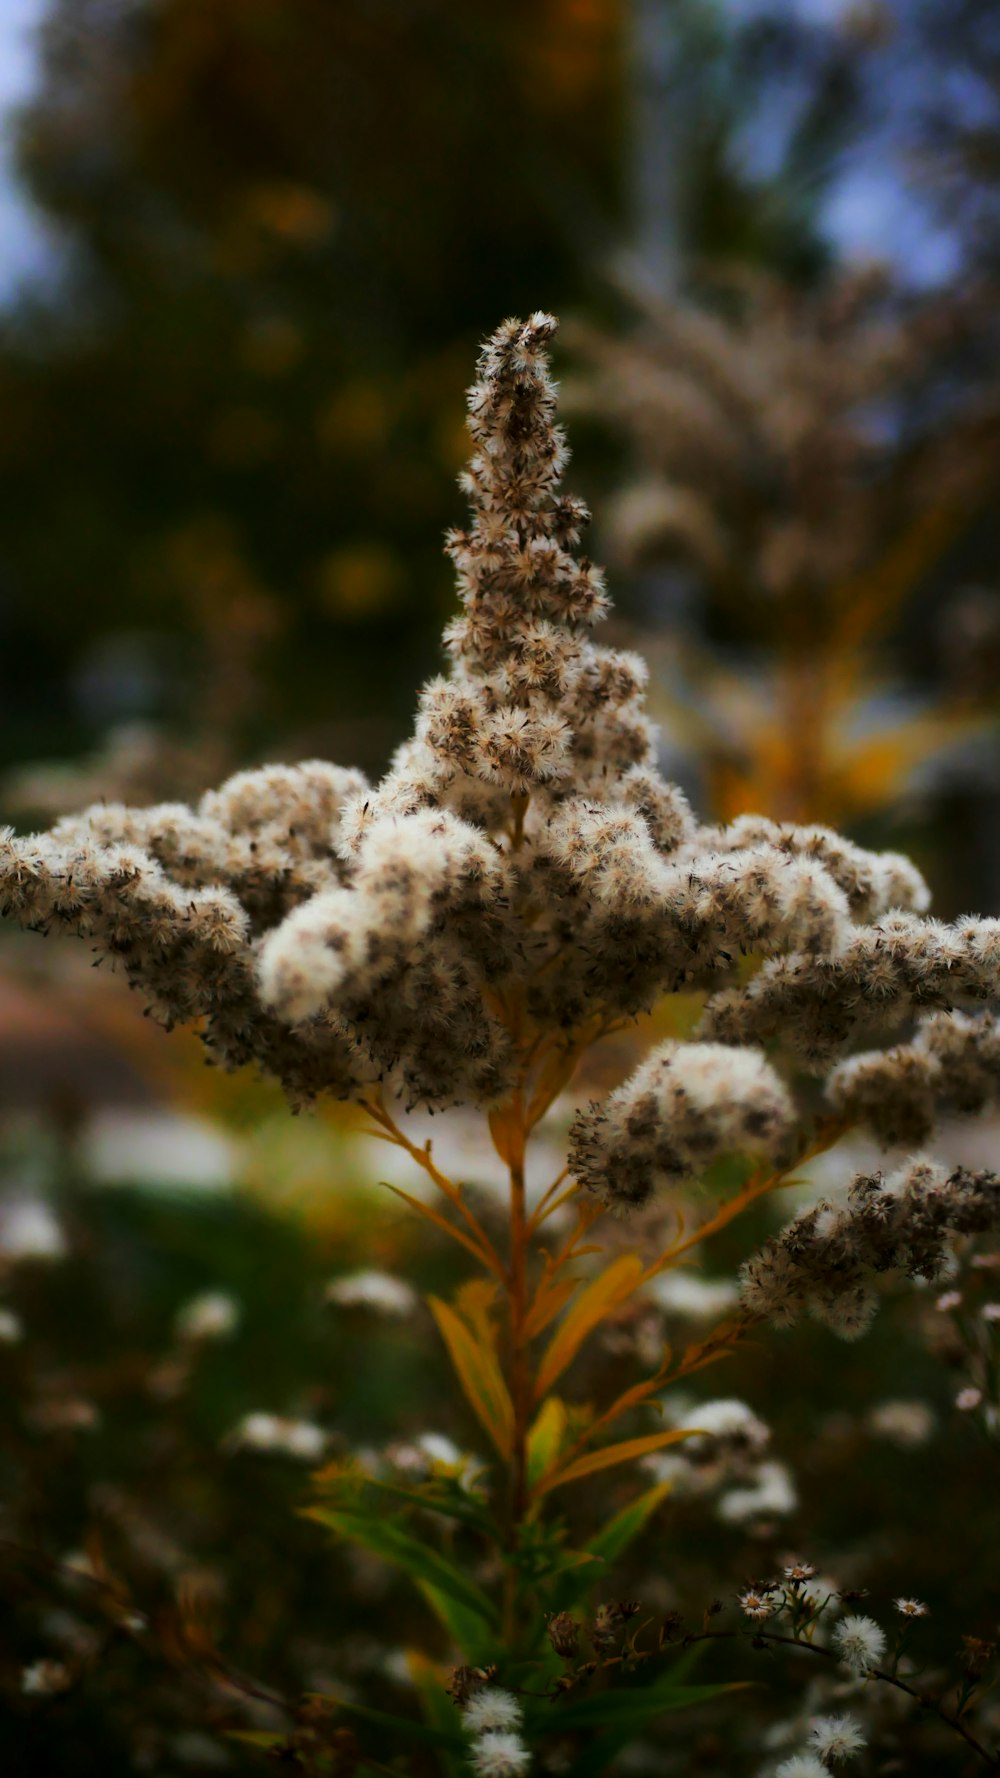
(228, 413)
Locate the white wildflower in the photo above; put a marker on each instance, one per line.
(756, 1605)
(908, 1424)
(728, 1419)
(380, 1291)
(44, 1678)
(968, 1399)
(694, 1298)
(860, 1643)
(272, 1433)
(440, 1449)
(30, 1230)
(211, 1316)
(772, 1493)
(911, 1607)
(799, 1571)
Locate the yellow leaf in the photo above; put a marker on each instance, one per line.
(485, 1258)
(609, 1456)
(479, 1374)
(474, 1301)
(546, 1437)
(508, 1135)
(549, 1299)
(556, 1074)
(596, 1300)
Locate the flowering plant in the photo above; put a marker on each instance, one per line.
(521, 884)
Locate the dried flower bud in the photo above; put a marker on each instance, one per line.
(465, 1682)
(564, 1635)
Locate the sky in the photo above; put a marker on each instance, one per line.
(26, 251)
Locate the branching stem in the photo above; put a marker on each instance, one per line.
(879, 1673)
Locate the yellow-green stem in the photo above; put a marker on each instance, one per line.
(520, 1379)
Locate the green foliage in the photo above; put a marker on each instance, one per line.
(435, 1575)
(611, 1719)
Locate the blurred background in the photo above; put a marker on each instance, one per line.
(248, 249)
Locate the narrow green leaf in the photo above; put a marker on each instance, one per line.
(632, 1705)
(606, 1547)
(613, 1540)
(425, 1566)
(625, 1714)
(440, 1713)
(439, 1494)
(474, 1639)
(407, 1728)
(546, 1437)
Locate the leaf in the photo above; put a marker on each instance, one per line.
(474, 1640)
(600, 1750)
(426, 1566)
(263, 1738)
(622, 1712)
(487, 1259)
(549, 1299)
(545, 1437)
(557, 1073)
(619, 1532)
(350, 1490)
(507, 1132)
(609, 1456)
(634, 1706)
(475, 1301)
(406, 1727)
(439, 1712)
(634, 1396)
(596, 1300)
(480, 1375)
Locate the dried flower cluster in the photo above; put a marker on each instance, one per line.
(953, 1064)
(828, 1260)
(686, 1105)
(524, 850)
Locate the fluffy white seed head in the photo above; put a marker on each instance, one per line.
(500, 1754)
(801, 1765)
(491, 1709)
(860, 1643)
(836, 1738)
